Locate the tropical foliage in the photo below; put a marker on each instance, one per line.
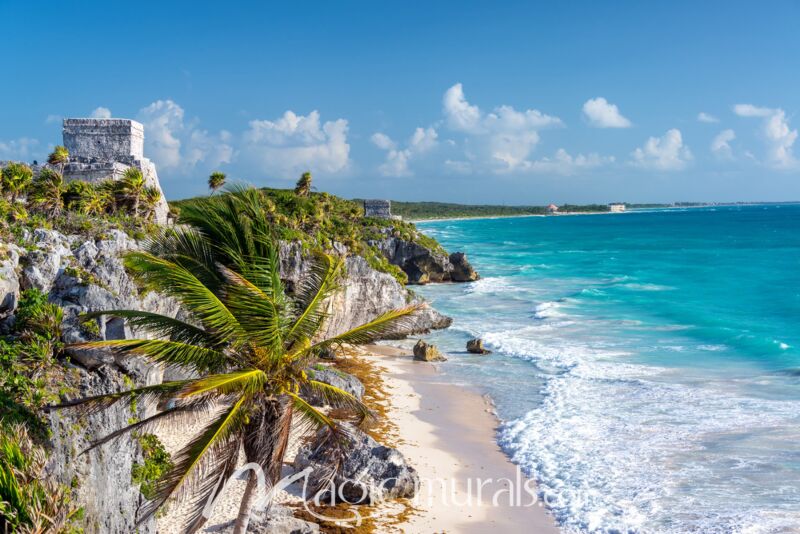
(303, 187)
(249, 341)
(216, 181)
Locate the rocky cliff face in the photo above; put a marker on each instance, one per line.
(82, 275)
(423, 265)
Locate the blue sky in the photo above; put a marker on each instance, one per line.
(501, 102)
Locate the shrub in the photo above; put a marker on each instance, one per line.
(157, 461)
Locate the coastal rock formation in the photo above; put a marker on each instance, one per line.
(475, 346)
(281, 521)
(424, 265)
(370, 472)
(335, 378)
(365, 293)
(427, 353)
(9, 281)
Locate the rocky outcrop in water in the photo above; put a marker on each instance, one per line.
(424, 265)
(475, 346)
(371, 472)
(425, 352)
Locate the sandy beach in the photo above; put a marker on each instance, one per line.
(448, 434)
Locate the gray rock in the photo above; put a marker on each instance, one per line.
(423, 265)
(9, 282)
(43, 264)
(365, 294)
(475, 346)
(371, 472)
(462, 270)
(427, 353)
(335, 378)
(281, 521)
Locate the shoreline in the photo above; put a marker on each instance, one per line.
(447, 432)
(445, 219)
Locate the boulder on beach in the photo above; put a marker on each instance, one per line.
(475, 346)
(370, 472)
(427, 353)
(333, 377)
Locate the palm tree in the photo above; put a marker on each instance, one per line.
(303, 187)
(151, 197)
(46, 192)
(15, 179)
(59, 156)
(132, 188)
(215, 181)
(248, 340)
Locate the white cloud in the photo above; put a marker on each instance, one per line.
(397, 161)
(499, 141)
(53, 119)
(101, 113)
(721, 147)
(179, 146)
(21, 149)
(563, 163)
(294, 143)
(705, 117)
(603, 114)
(776, 132)
(665, 153)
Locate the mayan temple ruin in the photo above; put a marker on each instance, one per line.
(102, 149)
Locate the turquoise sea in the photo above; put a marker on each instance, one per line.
(646, 365)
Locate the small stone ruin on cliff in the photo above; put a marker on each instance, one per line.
(103, 149)
(382, 209)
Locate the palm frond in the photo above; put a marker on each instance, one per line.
(339, 398)
(317, 285)
(189, 249)
(315, 418)
(169, 353)
(96, 403)
(202, 466)
(159, 325)
(386, 324)
(179, 282)
(246, 382)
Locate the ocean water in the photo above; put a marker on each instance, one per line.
(646, 365)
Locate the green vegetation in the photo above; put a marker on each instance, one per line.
(249, 340)
(318, 220)
(216, 181)
(30, 379)
(157, 462)
(44, 200)
(444, 210)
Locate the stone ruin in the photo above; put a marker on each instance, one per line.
(103, 149)
(381, 209)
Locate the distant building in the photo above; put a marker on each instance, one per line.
(382, 209)
(552, 209)
(616, 208)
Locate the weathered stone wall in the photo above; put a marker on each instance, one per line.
(378, 208)
(104, 139)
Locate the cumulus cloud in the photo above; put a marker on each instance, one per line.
(721, 147)
(563, 163)
(101, 113)
(180, 146)
(22, 149)
(295, 143)
(705, 117)
(665, 153)
(397, 160)
(501, 140)
(603, 114)
(777, 134)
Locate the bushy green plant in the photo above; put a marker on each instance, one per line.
(157, 462)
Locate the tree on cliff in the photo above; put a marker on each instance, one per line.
(303, 187)
(46, 193)
(131, 188)
(60, 157)
(216, 181)
(249, 341)
(15, 178)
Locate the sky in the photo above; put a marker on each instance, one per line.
(477, 102)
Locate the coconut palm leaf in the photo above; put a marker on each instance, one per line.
(202, 463)
(318, 284)
(246, 382)
(385, 325)
(159, 325)
(170, 353)
(97, 403)
(176, 281)
(339, 398)
(260, 316)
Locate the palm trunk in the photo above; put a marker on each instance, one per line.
(265, 443)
